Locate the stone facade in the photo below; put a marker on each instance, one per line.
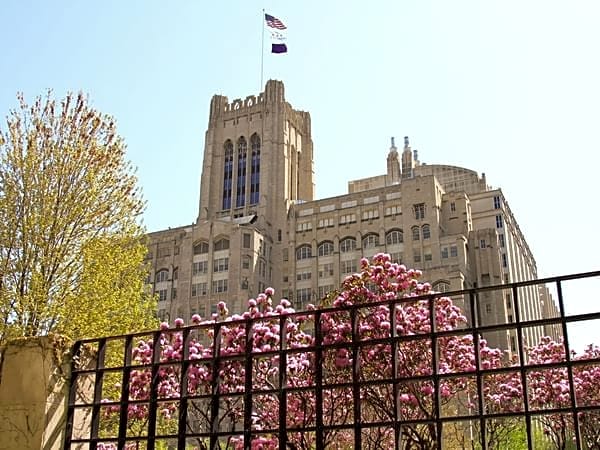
(259, 225)
(34, 393)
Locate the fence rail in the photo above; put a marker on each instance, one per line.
(356, 376)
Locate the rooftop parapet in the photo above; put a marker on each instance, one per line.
(220, 105)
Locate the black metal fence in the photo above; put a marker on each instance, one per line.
(334, 378)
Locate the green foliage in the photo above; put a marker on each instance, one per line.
(71, 250)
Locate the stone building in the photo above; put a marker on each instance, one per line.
(259, 225)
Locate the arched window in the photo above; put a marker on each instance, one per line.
(221, 244)
(227, 174)
(325, 248)
(394, 237)
(303, 252)
(161, 275)
(348, 245)
(415, 233)
(426, 231)
(175, 273)
(370, 240)
(255, 169)
(441, 286)
(242, 148)
(200, 248)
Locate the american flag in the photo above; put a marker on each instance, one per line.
(274, 22)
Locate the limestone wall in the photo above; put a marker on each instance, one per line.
(33, 393)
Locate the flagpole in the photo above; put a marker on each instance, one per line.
(262, 49)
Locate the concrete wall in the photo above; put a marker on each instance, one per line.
(33, 393)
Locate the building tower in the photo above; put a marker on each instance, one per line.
(393, 166)
(258, 161)
(258, 158)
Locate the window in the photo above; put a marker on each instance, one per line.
(452, 206)
(441, 286)
(396, 257)
(255, 169)
(497, 203)
(394, 237)
(240, 198)
(488, 308)
(482, 244)
(303, 226)
(513, 344)
(227, 174)
(221, 265)
(279, 235)
(161, 275)
(419, 210)
(453, 251)
(416, 255)
(348, 266)
(175, 273)
(504, 260)
(219, 286)
(245, 262)
(347, 218)
(221, 244)
(444, 252)
(393, 210)
(499, 221)
(325, 290)
(415, 233)
(508, 302)
(199, 289)
(163, 252)
(510, 318)
(370, 240)
(427, 255)
(162, 295)
(326, 270)
(303, 296)
(426, 232)
(303, 252)
(501, 241)
(246, 240)
(304, 275)
(370, 214)
(200, 248)
(325, 248)
(199, 268)
(325, 223)
(348, 245)
(262, 268)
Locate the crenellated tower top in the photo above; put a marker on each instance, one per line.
(220, 107)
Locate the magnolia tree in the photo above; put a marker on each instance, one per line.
(549, 389)
(364, 317)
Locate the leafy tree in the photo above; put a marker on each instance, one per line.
(71, 250)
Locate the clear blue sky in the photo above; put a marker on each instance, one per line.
(510, 88)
